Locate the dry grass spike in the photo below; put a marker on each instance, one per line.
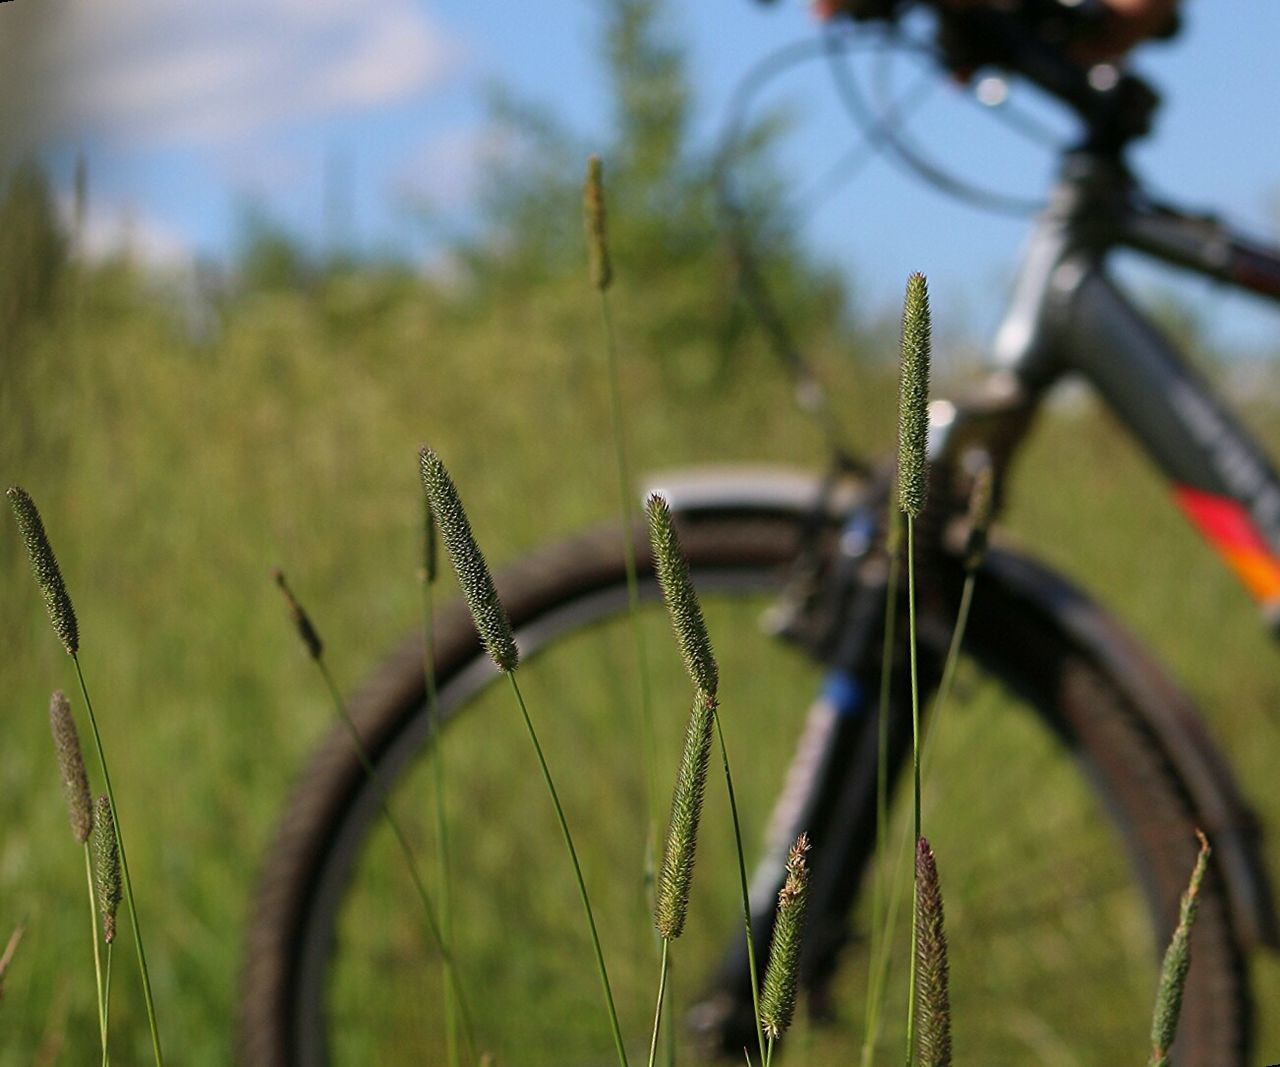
(1177, 962)
(75, 781)
(933, 995)
(301, 620)
(593, 213)
(781, 976)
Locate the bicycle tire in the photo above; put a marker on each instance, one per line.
(282, 1018)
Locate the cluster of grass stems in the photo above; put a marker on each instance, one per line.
(95, 825)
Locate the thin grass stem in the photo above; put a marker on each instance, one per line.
(124, 868)
(106, 1010)
(97, 952)
(442, 839)
(648, 741)
(953, 657)
(746, 893)
(402, 840)
(880, 946)
(577, 868)
(915, 768)
(662, 993)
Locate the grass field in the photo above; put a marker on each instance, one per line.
(173, 474)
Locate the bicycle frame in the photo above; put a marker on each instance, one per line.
(1067, 315)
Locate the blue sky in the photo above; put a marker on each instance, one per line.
(185, 112)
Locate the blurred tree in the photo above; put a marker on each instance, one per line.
(661, 190)
(268, 257)
(33, 250)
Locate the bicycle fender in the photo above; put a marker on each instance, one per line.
(1166, 711)
(1172, 718)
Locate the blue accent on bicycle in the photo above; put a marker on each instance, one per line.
(844, 693)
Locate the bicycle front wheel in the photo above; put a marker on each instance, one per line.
(1063, 837)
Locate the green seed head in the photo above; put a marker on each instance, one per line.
(1177, 961)
(681, 598)
(45, 566)
(933, 998)
(781, 977)
(913, 399)
(301, 620)
(981, 499)
(75, 782)
(468, 561)
(675, 877)
(597, 230)
(106, 867)
(430, 547)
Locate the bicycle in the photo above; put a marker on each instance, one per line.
(1069, 718)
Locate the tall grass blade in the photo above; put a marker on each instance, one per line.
(10, 950)
(601, 275)
(913, 485)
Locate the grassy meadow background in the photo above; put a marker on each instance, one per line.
(182, 438)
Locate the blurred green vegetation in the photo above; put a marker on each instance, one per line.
(176, 465)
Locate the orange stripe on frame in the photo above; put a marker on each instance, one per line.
(1227, 527)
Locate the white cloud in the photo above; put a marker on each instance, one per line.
(165, 71)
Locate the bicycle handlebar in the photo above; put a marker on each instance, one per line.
(1031, 39)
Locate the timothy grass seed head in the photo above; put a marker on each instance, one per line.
(933, 995)
(596, 225)
(468, 561)
(430, 543)
(681, 598)
(675, 876)
(301, 620)
(106, 867)
(45, 567)
(75, 782)
(913, 399)
(781, 976)
(1177, 961)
